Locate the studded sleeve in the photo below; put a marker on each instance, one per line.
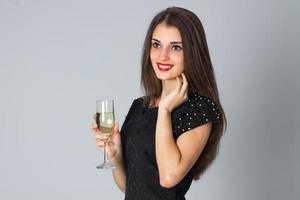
(196, 111)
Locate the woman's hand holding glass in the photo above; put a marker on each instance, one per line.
(114, 148)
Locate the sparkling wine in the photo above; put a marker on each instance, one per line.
(105, 122)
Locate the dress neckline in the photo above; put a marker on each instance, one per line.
(155, 108)
(148, 107)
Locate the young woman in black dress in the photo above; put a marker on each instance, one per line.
(172, 134)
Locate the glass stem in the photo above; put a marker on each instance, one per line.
(105, 151)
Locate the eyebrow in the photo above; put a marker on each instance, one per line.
(175, 42)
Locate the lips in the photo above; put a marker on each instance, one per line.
(164, 67)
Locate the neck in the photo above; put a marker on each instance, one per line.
(167, 87)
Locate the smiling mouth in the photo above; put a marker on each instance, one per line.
(164, 67)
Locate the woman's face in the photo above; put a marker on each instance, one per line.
(166, 52)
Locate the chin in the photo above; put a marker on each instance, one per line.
(163, 77)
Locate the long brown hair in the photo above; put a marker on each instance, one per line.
(198, 69)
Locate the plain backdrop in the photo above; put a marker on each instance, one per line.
(58, 56)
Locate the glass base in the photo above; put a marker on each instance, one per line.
(106, 165)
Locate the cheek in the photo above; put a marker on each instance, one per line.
(153, 54)
(180, 69)
(180, 62)
(182, 66)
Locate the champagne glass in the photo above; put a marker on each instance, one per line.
(105, 120)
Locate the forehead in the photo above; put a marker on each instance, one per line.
(166, 33)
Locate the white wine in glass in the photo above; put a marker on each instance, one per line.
(105, 120)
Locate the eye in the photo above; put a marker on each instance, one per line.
(176, 47)
(155, 45)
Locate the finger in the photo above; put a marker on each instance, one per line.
(179, 84)
(94, 128)
(110, 143)
(185, 96)
(184, 85)
(100, 136)
(116, 128)
(99, 143)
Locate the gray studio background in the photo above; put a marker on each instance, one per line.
(58, 57)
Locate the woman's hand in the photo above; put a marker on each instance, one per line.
(177, 96)
(114, 148)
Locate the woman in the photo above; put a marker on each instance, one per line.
(171, 135)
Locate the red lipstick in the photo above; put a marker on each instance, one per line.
(164, 67)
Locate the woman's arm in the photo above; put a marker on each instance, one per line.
(114, 153)
(175, 159)
(119, 175)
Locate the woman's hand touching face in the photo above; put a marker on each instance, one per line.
(177, 96)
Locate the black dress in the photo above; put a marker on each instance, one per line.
(138, 142)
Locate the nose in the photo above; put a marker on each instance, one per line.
(164, 54)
